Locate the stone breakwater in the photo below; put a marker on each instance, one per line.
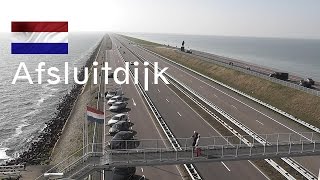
(40, 149)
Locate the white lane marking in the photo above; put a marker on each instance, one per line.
(215, 95)
(167, 100)
(142, 169)
(134, 103)
(260, 122)
(234, 107)
(259, 170)
(179, 113)
(225, 166)
(158, 90)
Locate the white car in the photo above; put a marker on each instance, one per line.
(118, 106)
(116, 118)
(110, 94)
(115, 99)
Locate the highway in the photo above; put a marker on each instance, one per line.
(183, 120)
(258, 118)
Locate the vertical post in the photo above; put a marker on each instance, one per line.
(176, 155)
(253, 139)
(278, 144)
(185, 144)
(290, 147)
(290, 138)
(192, 153)
(157, 145)
(250, 150)
(128, 157)
(266, 138)
(301, 146)
(222, 151)
(264, 148)
(237, 151)
(227, 141)
(312, 133)
(314, 146)
(84, 136)
(160, 155)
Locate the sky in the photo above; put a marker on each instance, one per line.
(257, 18)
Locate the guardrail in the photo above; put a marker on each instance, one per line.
(282, 147)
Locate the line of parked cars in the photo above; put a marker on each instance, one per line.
(120, 130)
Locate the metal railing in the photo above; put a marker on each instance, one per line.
(214, 149)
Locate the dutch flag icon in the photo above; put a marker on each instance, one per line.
(39, 37)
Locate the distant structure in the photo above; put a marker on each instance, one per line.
(182, 46)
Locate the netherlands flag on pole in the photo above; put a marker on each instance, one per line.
(39, 37)
(94, 115)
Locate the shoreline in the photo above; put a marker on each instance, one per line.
(39, 150)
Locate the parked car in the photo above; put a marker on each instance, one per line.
(116, 118)
(123, 173)
(120, 126)
(311, 81)
(131, 63)
(118, 106)
(280, 75)
(115, 99)
(304, 83)
(189, 51)
(120, 141)
(110, 94)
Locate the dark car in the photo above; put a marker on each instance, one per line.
(124, 140)
(123, 173)
(118, 106)
(120, 126)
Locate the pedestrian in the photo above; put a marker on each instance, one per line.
(197, 149)
(194, 138)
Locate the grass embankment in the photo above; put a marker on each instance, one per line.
(300, 104)
(297, 103)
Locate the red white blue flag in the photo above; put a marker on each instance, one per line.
(94, 115)
(39, 37)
